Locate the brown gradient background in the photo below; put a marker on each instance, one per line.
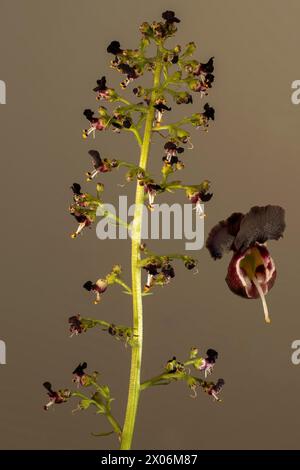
(51, 54)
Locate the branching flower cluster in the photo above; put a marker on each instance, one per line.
(177, 79)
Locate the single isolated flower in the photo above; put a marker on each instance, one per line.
(251, 271)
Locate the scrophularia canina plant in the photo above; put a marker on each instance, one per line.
(176, 75)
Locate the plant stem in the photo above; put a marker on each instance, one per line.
(123, 284)
(136, 353)
(115, 425)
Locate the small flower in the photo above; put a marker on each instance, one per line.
(79, 374)
(100, 166)
(205, 69)
(169, 17)
(190, 264)
(168, 273)
(131, 72)
(151, 189)
(208, 363)
(152, 269)
(76, 326)
(174, 366)
(61, 396)
(251, 271)
(103, 92)
(96, 124)
(209, 112)
(197, 198)
(114, 48)
(171, 151)
(83, 220)
(183, 98)
(99, 287)
(160, 107)
(76, 188)
(215, 389)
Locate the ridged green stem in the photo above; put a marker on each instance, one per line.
(136, 354)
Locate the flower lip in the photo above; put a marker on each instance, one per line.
(209, 112)
(96, 159)
(169, 17)
(88, 285)
(212, 355)
(76, 188)
(114, 48)
(240, 231)
(101, 84)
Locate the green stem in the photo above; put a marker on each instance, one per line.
(136, 352)
(123, 284)
(115, 425)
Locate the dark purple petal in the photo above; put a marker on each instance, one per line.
(259, 225)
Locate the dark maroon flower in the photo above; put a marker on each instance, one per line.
(61, 396)
(209, 112)
(205, 69)
(169, 17)
(103, 92)
(197, 198)
(160, 107)
(208, 363)
(168, 272)
(151, 189)
(131, 73)
(79, 374)
(82, 219)
(76, 326)
(251, 271)
(171, 151)
(152, 269)
(215, 389)
(100, 166)
(76, 188)
(114, 48)
(96, 124)
(98, 288)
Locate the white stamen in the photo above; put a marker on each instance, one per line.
(151, 197)
(263, 299)
(199, 210)
(80, 228)
(149, 280)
